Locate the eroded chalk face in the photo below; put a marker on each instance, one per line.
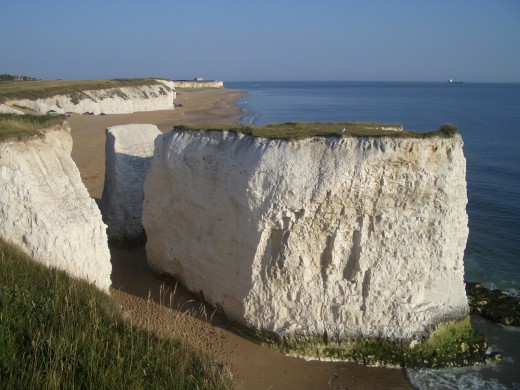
(129, 152)
(47, 211)
(348, 236)
(119, 100)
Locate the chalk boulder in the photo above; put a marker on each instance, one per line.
(47, 211)
(128, 155)
(355, 237)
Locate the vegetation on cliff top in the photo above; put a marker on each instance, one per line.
(44, 88)
(302, 130)
(60, 332)
(19, 127)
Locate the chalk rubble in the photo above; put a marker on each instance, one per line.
(47, 211)
(356, 237)
(129, 152)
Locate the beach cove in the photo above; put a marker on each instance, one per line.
(146, 300)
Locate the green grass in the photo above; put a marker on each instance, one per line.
(451, 345)
(60, 332)
(24, 126)
(302, 130)
(44, 88)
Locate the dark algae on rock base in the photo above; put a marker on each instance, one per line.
(494, 305)
(454, 344)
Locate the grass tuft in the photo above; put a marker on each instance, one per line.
(302, 130)
(19, 127)
(60, 332)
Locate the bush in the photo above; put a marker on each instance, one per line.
(448, 130)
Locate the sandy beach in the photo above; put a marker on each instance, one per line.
(170, 311)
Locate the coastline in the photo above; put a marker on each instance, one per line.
(145, 299)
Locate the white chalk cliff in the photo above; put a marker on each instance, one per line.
(47, 211)
(5, 109)
(120, 100)
(349, 236)
(128, 155)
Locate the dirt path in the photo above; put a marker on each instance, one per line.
(169, 310)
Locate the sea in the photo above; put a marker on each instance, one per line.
(487, 116)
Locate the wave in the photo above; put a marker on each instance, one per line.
(454, 378)
(249, 115)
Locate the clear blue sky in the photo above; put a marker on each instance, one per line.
(415, 40)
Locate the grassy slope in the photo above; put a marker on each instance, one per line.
(24, 126)
(41, 89)
(301, 130)
(59, 332)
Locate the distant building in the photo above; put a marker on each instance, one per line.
(198, 82)
(13, 77)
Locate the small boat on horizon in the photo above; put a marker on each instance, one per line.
(451, 81)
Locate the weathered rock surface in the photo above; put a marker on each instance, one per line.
(348, 236)
(5, 109)
(129, 152)
(494, 305)
(47, 211)
(109, 101)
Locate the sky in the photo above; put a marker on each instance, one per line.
(246, 40)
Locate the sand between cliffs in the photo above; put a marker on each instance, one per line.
(170, 311)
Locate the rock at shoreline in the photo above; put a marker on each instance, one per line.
(494, 305)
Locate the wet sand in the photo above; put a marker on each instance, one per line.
(170, 311)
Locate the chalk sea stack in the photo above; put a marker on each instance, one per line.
(344, 236)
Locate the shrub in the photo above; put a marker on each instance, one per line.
(448, 130)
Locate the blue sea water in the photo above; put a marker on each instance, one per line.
(488, 118)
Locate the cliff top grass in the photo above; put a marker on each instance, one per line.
(45, 88)
(302, 130)
(18, 127)
(59, 332)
